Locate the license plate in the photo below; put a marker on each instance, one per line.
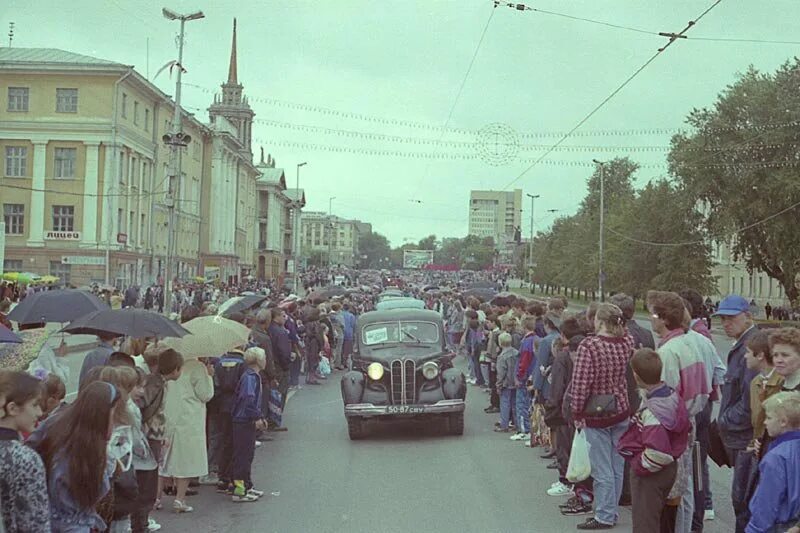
(405, 409)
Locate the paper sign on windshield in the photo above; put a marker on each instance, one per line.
(375, 336)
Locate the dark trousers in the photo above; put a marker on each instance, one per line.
(283, 388)
(742, 466)
(244, 446)
(226, 447)
(702, 497)
(649, 495)
(564, 435)
(147, 480)
(295, 368)
(494, 398)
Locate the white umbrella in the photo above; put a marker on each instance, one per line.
(211, 336)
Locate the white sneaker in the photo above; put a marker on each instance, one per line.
(560, 490)
(258, 444)
(256, 493)
(520, 436)
(244, 499)
(152, 525)
(210, 479)
(555, 484)
(709, 514)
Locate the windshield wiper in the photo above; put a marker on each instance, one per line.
(403, 344)
(407, 334)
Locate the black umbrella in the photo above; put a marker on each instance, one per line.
(61, 305)
(244, 304)
(136, 323)
(484, 295)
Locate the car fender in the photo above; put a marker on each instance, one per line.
(454, 385)
(352, 387)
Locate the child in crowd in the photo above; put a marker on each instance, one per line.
(23, 485)
(656, 437)
(525, 366)
(506, 376)
(247, 419)
(775, 506)
(768, 382)
(53, 394)
(492, 351)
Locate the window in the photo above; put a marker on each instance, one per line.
(136, 113)
(16, 161)
(120, 220)
(63, 218)
(12, 265)
(146, 120)
(14, 217)
(67, 100)
(124, 105)
(142, 232)
(17, 98)
(64, 162)
(60, 270)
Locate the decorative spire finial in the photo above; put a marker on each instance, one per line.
(262, 156)
(232, 75)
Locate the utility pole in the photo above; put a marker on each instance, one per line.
(530, 243)
(331, 233)
(602, 275)
(176, 140)
(296, 229)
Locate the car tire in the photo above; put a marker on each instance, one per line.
(355, 428)
(455, 423)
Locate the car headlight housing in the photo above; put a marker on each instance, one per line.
(375, 371)
(430, 370)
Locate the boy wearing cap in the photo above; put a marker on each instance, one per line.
(734, 418)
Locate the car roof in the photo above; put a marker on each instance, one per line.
(389, 315)
(400, 303)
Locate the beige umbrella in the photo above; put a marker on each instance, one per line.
(210, 336)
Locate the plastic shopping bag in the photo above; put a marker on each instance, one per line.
(324, 366)
(579, 467)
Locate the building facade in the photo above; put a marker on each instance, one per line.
(495, 214)
(733, 278)
(274, 220)
(330, 239)
(85, 174)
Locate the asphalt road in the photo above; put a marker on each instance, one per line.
(402, 478)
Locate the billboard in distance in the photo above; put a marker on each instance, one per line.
(417, 258)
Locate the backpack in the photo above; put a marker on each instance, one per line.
(227, 374)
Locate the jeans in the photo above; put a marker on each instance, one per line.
(685, 515)
(294, 372)
(347, 349)
(337, 352)
(485, 373)
(123, 525)
(608, 469)
(702, 498)
(506, 407)
(523, 402)
(244, 445)
(743, 461)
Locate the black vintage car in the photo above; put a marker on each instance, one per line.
(402, 369)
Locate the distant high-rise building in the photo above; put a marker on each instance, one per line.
(495, 214)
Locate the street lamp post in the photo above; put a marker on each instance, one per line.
(601, 274)
(331, 233)
(296, 229)
(176, 140)
(533, 197)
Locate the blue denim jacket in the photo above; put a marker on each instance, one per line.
(734, 420)
(65, 515)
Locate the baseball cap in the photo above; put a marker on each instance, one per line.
(732, 305)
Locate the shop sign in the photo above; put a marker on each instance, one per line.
(62, 235)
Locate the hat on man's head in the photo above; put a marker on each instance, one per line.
(554, 319)
(732, 305)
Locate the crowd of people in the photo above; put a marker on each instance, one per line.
(150, 423)
(644, 408)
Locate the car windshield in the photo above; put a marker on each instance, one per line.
(403, 331)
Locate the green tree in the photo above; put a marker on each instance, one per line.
(741, 164)
(376, 247)
(428, 243)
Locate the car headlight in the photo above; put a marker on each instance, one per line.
(375, 371)
(430, 370)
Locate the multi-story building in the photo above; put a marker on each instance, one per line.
(330, 239)
(84, 169)
(733, 278)
(274, 220)
(495, 214)
(85, 173)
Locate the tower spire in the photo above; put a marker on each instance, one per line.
(232, 75)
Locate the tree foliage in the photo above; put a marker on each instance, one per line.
(568, 254)
(741, 163)
(376, 247)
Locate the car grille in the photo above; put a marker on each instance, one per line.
(404, 384)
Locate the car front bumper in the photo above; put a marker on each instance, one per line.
(370, 410)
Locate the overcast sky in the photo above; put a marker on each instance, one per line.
(404, 60)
